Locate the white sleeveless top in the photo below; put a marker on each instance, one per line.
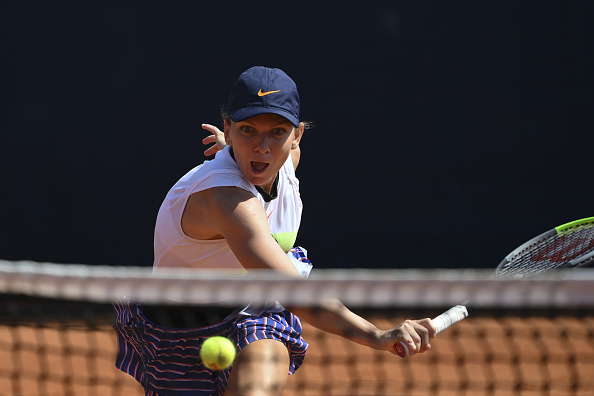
(173, 248)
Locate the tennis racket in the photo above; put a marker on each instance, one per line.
(567, 246)
(570, 245)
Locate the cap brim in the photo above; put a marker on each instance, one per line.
(251, 111)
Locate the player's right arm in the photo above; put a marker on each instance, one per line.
(333, 317)
(236, 215)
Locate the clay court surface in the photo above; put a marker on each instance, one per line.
(479, 356)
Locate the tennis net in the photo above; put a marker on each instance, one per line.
(523, 336)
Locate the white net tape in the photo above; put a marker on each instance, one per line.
(354, 287)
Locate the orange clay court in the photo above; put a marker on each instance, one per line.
(479, 356)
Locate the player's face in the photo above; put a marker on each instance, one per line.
(261, 146)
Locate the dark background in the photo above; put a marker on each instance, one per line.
(447, 133)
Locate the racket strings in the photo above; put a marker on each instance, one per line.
(552, 253)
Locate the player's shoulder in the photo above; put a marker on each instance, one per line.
(209, 212)
(233, 211)
(225, 198)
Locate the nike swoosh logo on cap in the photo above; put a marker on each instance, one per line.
(260, 93)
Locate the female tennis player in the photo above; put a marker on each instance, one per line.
(237, 212)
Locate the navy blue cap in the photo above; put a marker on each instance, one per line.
(261, 90)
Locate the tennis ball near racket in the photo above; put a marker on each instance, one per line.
(217, 353)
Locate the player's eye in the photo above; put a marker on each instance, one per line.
(278, 131)
(247, 129)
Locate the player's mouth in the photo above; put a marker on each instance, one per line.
(259, 167)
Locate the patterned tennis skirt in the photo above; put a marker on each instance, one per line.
(166, 360)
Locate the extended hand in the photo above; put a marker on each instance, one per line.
(217, 137)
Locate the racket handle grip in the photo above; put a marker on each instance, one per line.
(441, 322)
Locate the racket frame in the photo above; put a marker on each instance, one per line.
(564, 229)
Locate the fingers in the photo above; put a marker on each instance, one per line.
(429, 325)
(416, 335)
(211, 150)
(212, 129)
(209, 139)
(216, 139)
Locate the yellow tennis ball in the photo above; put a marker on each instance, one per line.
(217, 353)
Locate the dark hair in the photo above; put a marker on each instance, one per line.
(226, 117)
(225, 114)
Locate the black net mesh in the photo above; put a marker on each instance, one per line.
(528, 338)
